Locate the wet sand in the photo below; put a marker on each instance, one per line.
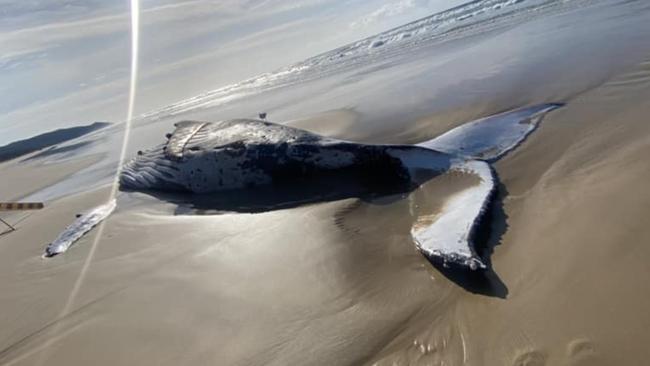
(341, 283)
(21, 178)
(573, 256)
(322, 123)
(238, 288)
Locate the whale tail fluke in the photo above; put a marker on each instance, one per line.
(492, 137)
(451, 237)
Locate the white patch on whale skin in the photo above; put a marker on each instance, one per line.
(185, 130)
(492, 137)
(79, 227)
(450, 236)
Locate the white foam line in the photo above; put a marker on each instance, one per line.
(462, 339)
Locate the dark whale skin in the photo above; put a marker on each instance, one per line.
(206, 157)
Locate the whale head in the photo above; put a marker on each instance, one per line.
(152, 170)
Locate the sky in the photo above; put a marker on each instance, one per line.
(67, 62)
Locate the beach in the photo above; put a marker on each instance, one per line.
(341, 282)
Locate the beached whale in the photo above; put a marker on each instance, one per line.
(245, 155)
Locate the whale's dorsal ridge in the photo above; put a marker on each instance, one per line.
(194, 136)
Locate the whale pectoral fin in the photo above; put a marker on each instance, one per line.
(449, 235)
(79, 228)
(492, 137)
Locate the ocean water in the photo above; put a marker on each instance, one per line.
(394, 45)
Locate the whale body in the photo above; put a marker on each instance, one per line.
(206, 157)
(233, 159)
